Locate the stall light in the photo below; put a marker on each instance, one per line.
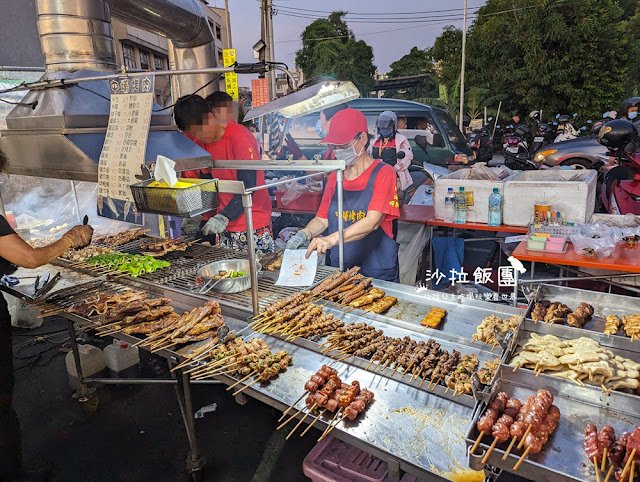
(542, 155)
(307, 101)
(463, 158)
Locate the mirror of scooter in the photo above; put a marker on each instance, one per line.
(575, 114)
(557, 116)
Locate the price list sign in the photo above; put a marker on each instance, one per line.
(124, 146)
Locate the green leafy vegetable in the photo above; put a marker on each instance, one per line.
(133, 264)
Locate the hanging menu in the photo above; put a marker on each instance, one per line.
(124, 146)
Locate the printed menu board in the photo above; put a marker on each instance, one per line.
(124, 146)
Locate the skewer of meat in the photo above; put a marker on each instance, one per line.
(491, 415)
(357, 406)
(633, 444)
(617, 453)
(539, 436)
(501, 428)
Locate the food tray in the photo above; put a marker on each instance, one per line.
(199, 198)
(603, 304)
(564, 249)
(563, 457)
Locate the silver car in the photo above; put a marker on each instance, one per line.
(580, 153)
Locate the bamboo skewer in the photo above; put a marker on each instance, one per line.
(292, 405)
(475, 445)
(491, 447)
(606, 479)
(329, 426)
(423, 379)
(506, 454)
(524, 436)
(632, 475)
(332, 427)
(246, 386)
(595, 466)
(240, 381)
(604, 460)
(300, 421)
(289, 419)
(628, 464)
(313, 423)
(524, 456)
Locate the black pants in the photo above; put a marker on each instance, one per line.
(10, 442)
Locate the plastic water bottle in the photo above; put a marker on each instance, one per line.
(450, 206)
(461, 206)
(495, 208)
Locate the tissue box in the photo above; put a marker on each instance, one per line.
(193, 197)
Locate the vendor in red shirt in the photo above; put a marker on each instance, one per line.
(370, 208)
(208, 123)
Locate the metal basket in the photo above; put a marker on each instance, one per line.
(563, 231)
(185, 202)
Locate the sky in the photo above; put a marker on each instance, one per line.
(392, 28)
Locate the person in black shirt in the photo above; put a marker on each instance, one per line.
(14, 251)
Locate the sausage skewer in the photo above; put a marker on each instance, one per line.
(496, 407)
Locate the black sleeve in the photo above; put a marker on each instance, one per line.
(5, 228)
(234, 209)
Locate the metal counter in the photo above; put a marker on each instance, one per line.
(563, 457)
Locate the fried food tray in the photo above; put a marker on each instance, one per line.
(563, 457)
(603, 304)
(463, 314)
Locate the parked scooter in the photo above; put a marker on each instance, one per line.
(566, 131)
(620, 195)
(481, 143)
(544, 136)
(516, 149)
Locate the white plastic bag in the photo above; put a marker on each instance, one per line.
(593, 247)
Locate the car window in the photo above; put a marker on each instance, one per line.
(305, 127)
(450, 127)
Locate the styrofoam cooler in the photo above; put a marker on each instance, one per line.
(482, 189)
(569, 191)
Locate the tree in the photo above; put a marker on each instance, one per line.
(329, 48)
(416, 62)
(446, 55)
(555, 56)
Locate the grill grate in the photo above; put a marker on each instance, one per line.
(185, 265)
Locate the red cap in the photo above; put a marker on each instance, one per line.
(344, 126)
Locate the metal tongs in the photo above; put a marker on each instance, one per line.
(41, 290)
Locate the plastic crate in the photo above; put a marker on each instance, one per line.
(308, 201)
(333, 460)
(564, 231)
(200, 197)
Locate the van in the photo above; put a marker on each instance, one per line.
(449, 148)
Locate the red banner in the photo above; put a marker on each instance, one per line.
(259, 92)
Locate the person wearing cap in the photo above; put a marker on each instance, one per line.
(394, 149)
(370, 205)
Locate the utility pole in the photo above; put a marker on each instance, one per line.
(464, 53)
(272, 55)
(227, 21)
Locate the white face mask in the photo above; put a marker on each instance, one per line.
(348, 155)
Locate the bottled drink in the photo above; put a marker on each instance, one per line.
(461, 207)
(495, 208)
(450, 206)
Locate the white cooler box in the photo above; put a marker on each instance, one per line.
(482, 189)
(571, 192)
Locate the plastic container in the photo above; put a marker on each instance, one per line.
(461, 206)
(122, 360)
(495, 208)
(333, 460)
(536, 242)
(92, 362)
(308, 201)
(450, 206)
(555, 244)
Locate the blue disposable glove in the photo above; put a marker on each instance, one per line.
(297, 240)
(215, 225)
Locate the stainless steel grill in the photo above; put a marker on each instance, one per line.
(185, 265)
